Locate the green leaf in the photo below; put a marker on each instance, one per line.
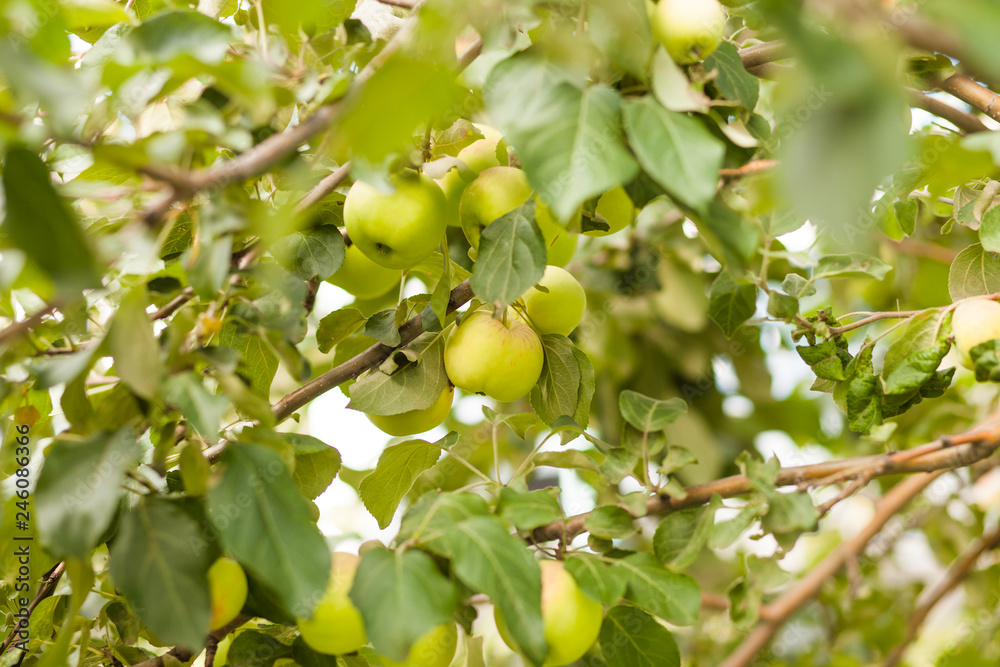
(380, 117)
(511, 256)
(198, 405)
(175, 34)
(730, 303)
(253, 648)
(649, 414)
(398, 466)
(39, 223)
(680, 536)
(733, 81)
(160, 561)
(828, 360)
(598, 580)
(569, 458)
(852, 265)
(316, 463)
(337, 326)
(382, 327)
(569, 140)
(673, 597)
(677, 151)
(258, 362)
(415, 386)
(985, 361)
(797, 286)
(782, 306)
(610, 521)
(434, 513)
(267, 525)
(973, 273)
(915, 369)
(80, 488)
(906, 212)
(488, 559)
(620, 28)
(864, 395)
(133, 345)
(671, 86)
(918, 334)
(314, 253)
(632, 638)
(401, 595)
(566, 384)
(529, 510)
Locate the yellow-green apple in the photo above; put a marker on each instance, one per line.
(972, 323)
(362, 277)
(570, 620)
(500, 359)
(452, 185)
(416, 421)
(561, 308)
(482, 153)
(435, 649)
(336, 626)
(690, 30)
(617, 209)
(560, 243)
(397, 230)
(227, 588)
(495, 192)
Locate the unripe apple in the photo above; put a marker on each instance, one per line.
(571, 621)
(972, 323)
(227, 589)
(482, 153)
(690, 30)
(617, 209)
(435, 649)
(452, 185)
(487, 356)
(336, 626)
(397, 230)
(416, 421)
(362, 277)
(561, 309)
(495, 192)
(498, 191)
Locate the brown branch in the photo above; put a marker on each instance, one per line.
(753, 167)
(764, 53)
(18, 329)
(973, 94)
(918, 248)
(941, 454)
(174, 304)
(370, 358)
(324, 187)
(184, 654)
(781, 609)
(958, 571)
(965, 122)
(47, 588)
(874, 317)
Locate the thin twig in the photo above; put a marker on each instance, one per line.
(753, 167)
(329, 183)
(174, 304)
(46, 589)
(18, 329)
(764, 53)
(779, 611)
(959, 570)
(184, 654)
(875, 317)
(942, 454)
(965, 122)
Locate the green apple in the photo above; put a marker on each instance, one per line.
(435, 649)
(972, 323)
(416, 421)
(570, 620)
(397, 230)
(560, 243)
(690, 30)
(482, 153)
(617, 209)
(494, 193)
(500, 359)
(362, 277)
(561, 308)
(227, 589)
(336, 626)
(452, 185)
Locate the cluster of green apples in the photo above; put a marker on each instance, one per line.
(571, 621)
(690, 30)
(393, 231)
(336, 626)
